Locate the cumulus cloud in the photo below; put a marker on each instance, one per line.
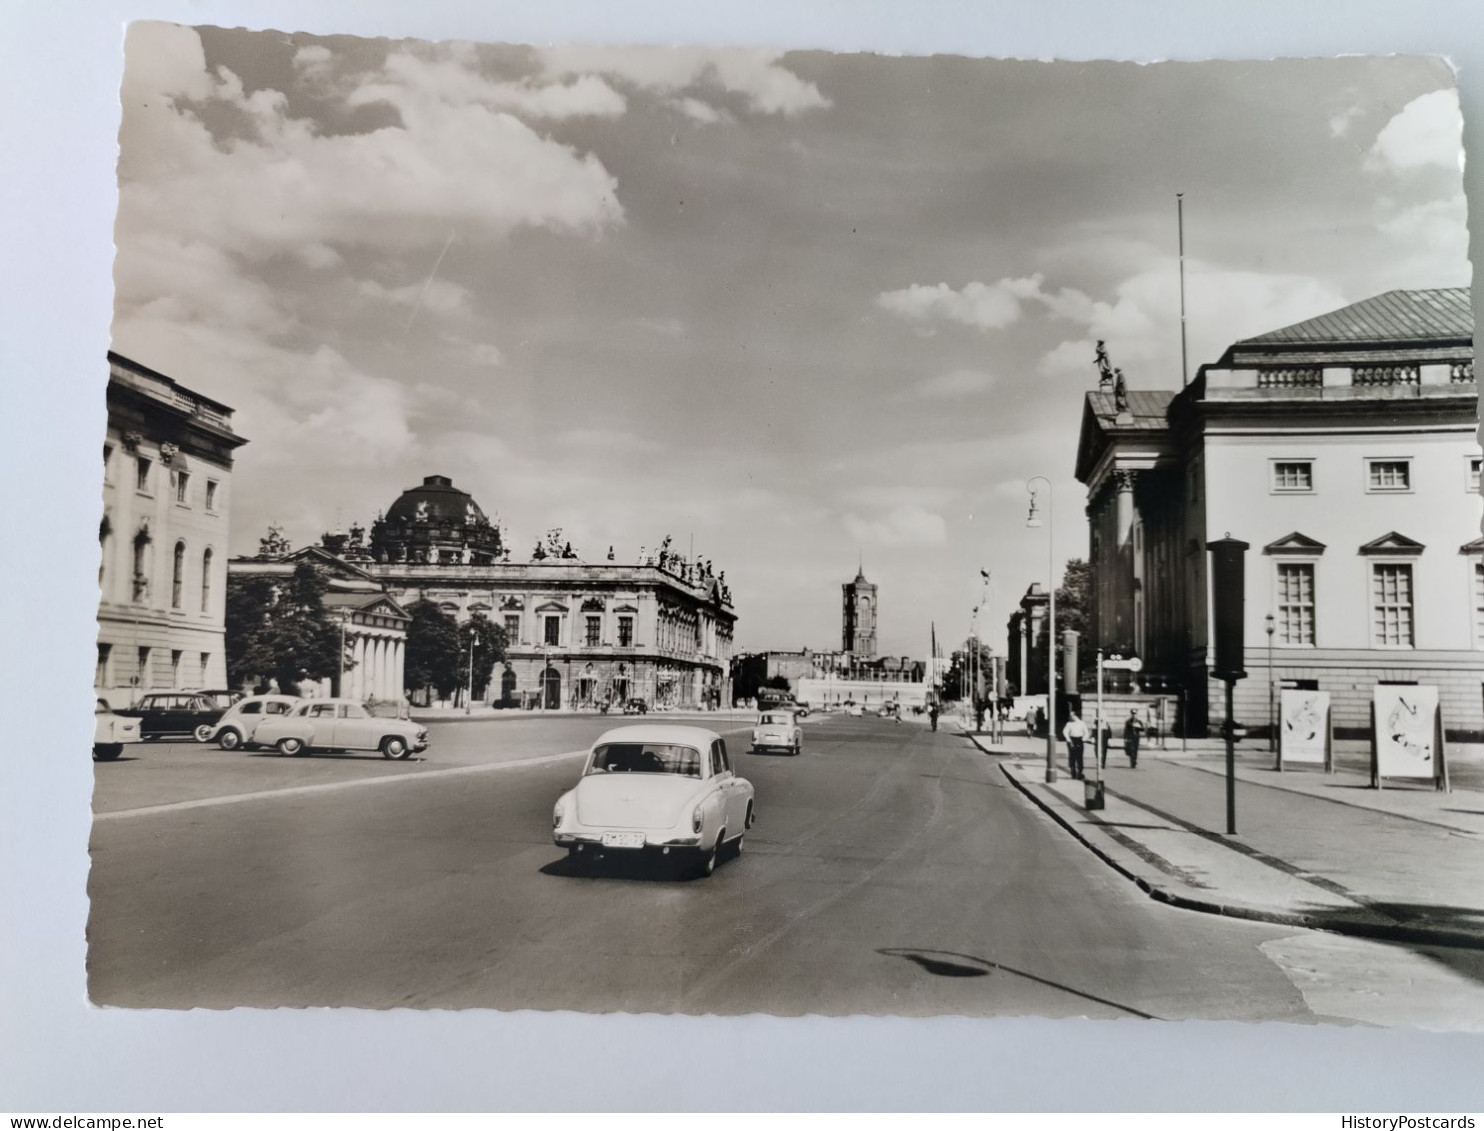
(902, 526)
(436, 295)
(756, 75)
(956, 383)
(986, 306)
(1427, 132)
(287, 185)
(450, 74)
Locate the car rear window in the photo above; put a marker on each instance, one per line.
(646, 758)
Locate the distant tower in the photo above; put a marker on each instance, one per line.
(858, 623)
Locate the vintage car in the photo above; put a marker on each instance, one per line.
(340, 724)
(162, 713)
(238, 725)
(668, 790)
(635, 707)
(111, 731)
(777, 730)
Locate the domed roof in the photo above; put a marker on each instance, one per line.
(437, 500)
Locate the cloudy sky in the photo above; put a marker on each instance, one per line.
(802, 309)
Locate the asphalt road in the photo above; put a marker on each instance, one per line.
(892, 871)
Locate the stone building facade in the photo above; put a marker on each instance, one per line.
(1344, 450)
(167, 470)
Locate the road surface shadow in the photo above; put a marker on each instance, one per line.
(644, 867)
(952, 964)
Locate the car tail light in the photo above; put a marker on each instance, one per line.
(556, 817)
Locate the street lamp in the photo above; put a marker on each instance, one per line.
(1270, 624)
(473, 643)
(1033, 519)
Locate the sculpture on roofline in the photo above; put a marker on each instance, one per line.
(1105, 369)
(1120, 392)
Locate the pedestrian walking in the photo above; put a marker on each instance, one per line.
(1075, 733)
(933, 716)
(1133, 729)
(1105, 740)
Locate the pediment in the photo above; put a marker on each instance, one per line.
(551, 607)
(1295, 543)
(1393, 543)
(336, 567)
(626, 609)
(1474, 547)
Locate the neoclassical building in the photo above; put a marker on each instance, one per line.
(577, 632)
(1344, 450)
(167, 470)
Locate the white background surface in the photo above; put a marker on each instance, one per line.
(61, 64)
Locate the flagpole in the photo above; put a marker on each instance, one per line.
(1180, 223)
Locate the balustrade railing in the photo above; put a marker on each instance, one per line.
(1290, 378)
(1386, 375)
(1460, 372)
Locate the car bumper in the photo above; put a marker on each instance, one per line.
(588, 838)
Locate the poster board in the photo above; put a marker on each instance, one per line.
(1306, 729)
(1407, 734)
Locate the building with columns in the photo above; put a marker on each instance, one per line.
(576, 633)
(1344, 450)
(167, 470)
(373, 626)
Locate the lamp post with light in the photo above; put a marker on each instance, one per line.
(1270, 624)
(473, 643)
(1033, 519)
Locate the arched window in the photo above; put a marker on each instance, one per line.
(206, 582)
(177, 575)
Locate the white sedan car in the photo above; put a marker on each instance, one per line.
(238, 726)
(340, 724)
(111, 732)
(669, 789)
(777, 730)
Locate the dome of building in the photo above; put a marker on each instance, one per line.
(436, 500)
(435, 524)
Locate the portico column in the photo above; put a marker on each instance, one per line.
(381, 659)
(1123, 534)
(399, 670)
(358, 672)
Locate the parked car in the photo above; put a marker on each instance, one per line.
(635, 707)
(111, 731)
(162, 713)
(664, 789)
(239, 723)
(777, 730)
(340, 724)
(854, 710)
(801, 709)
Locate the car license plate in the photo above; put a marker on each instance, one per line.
(623, 840)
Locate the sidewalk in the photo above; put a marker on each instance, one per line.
(1319, 850)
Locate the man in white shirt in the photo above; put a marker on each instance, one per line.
(1075, 733)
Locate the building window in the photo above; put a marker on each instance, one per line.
(141, 677)
(553, 630)
(141, 567)
(1391, 605)
(182, 487)
(1472, 482)
(625, 632)
(206, 581)
(1389, 475)
(594, 631)
(1293, 475)
(211, 494)
(1479, 602)
(142, 467)
(1296, 603)
(512, 629)
(177, 575)
(205, 666)
(175, 657)
(102, 673)
(107, 463)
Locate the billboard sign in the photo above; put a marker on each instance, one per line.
(1304, 732)
(1407, 731)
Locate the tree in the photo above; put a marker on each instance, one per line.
(432, 650)
(1074, 598)
(281, 631)
(958, 679)
(778, 683)
(489, 649)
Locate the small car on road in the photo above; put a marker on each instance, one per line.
(340, 724)
(238, 725)
(777, 730)
(636, 707)
(164, 713)
(668, 790)
(111, 731)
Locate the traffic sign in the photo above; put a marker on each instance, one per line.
(1132, 664)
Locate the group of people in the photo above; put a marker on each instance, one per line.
(1076, 734)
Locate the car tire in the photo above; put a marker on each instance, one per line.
(203, 732)
(734, 849)
(229, 739)
(707, 863)
(107, 751)
(293, 747)
(394, 746)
